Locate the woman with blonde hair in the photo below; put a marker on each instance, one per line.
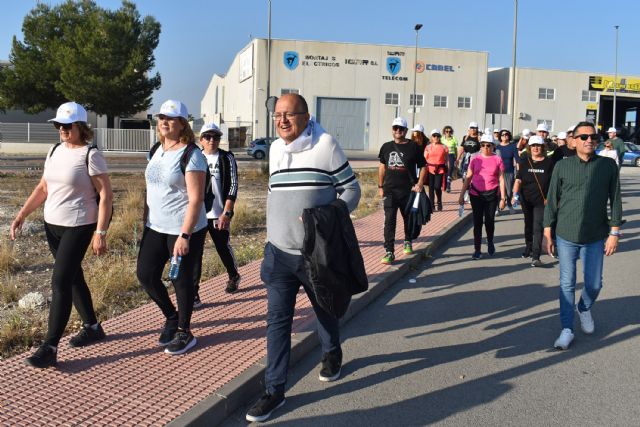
(77, 197)
(175, 223)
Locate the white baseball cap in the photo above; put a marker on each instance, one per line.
(435, 132)
(542, 127)
(612, 129)
(173, 108)
(418, 128)
(399, 121)
(526, 132)
(487, 137)
(210, 127)
(535, 139)
(562, 135)
(473, 125)
(70, 112)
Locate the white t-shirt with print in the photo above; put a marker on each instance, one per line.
(71, 197)
(216, 186)
(167, 197)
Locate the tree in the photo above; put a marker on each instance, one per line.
(79, 51)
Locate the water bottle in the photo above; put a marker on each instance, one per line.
(516, 202)
(416, 203)
(174, 268)
(461, 211)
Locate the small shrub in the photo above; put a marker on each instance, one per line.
(8, 262)
(246, 216)
(20, 332)
(9, 290)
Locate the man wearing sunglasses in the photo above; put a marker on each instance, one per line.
(580, 188)
(567, 149)
(224, 186)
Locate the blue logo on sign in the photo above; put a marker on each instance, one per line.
(393, 65)
(291, 60)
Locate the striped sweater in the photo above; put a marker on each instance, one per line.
(309, 172)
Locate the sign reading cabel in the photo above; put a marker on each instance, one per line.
(421, 67)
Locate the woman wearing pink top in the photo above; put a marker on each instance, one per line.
(485, 182)
(437, 155)
(77, 197)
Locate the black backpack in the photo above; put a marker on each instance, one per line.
(86, 162)
(208, 191)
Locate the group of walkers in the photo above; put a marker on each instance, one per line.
(563, 188)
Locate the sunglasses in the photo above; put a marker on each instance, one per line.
(210, 137)
(437, 135)
(585, 136)
(486, 145)
(65, 126)
(398, 128)
(505, 134)
(447, 131)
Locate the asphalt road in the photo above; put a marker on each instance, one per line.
(470, 343)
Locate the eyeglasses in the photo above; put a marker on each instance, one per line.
(398, 128)
(585, 136)
(287, 116)
(65, 126)
(486, 145)
(210, 137)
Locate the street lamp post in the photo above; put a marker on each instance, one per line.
(415, 68)
(268, 123)
(615, 78)
(512, 89)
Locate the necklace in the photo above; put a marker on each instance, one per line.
(164, 150)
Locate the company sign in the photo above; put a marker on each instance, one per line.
(291, 59)
(605, 84)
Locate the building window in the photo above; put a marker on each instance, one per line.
(589, 95)
(391, 98)
(464, 102)
(546, 93)
(440, 101)
(548, 123)
(419, 100)
(286, 91)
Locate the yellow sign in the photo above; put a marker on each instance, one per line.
(605, 84)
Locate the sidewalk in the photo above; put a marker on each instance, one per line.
(127, 380)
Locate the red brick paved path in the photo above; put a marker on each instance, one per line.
(128, 380)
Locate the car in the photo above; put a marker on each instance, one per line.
(259, 148)
(631, 156)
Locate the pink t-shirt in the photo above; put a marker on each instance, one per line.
(71, 197)
(486, 173)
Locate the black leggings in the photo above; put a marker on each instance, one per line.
(155, 250)
(484, 210)
(435, 185)
(221, 240)
(533, 216)
(68, 246)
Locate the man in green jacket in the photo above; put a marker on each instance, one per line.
(579, 190)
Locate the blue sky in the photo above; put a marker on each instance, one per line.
(201, 37)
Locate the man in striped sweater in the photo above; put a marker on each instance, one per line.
(577, 199)
(307, 169)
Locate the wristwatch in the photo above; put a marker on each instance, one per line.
(185, 236)
(228, 214)
(101, 232)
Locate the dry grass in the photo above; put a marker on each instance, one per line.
(9, 290)
(20, 331)
(8, 260)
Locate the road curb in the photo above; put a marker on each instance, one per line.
(214, 409)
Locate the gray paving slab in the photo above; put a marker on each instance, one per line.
(470, 343)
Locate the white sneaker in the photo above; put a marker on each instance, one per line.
(564, 340)
(586, 321)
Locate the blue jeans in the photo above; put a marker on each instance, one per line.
(592, 257)
(283, 273)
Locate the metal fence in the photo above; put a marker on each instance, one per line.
(124, 140)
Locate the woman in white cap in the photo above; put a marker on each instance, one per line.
(451, 142)
(532, 181)
(175, 223)
(436, 154)
(77, 197)
(418, 136)
(485, 182)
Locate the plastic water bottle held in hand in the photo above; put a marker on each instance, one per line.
(174, 268)
(416, 203)
(461, 211)
(516, 202)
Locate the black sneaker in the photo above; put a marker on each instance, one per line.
(331, 365)
(44, 357)
(264, 407)
(536, 263)
(476, 255)
(526, 253)
(196, 301)
(232, 284)
(491, 249)
(182, 342)
(87, 336)
(170, 329)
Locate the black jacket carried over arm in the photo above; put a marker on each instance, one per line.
(332, 257)
(416, 218)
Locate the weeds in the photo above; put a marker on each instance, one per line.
(8, 261)
(20, 332)
(9, 290)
